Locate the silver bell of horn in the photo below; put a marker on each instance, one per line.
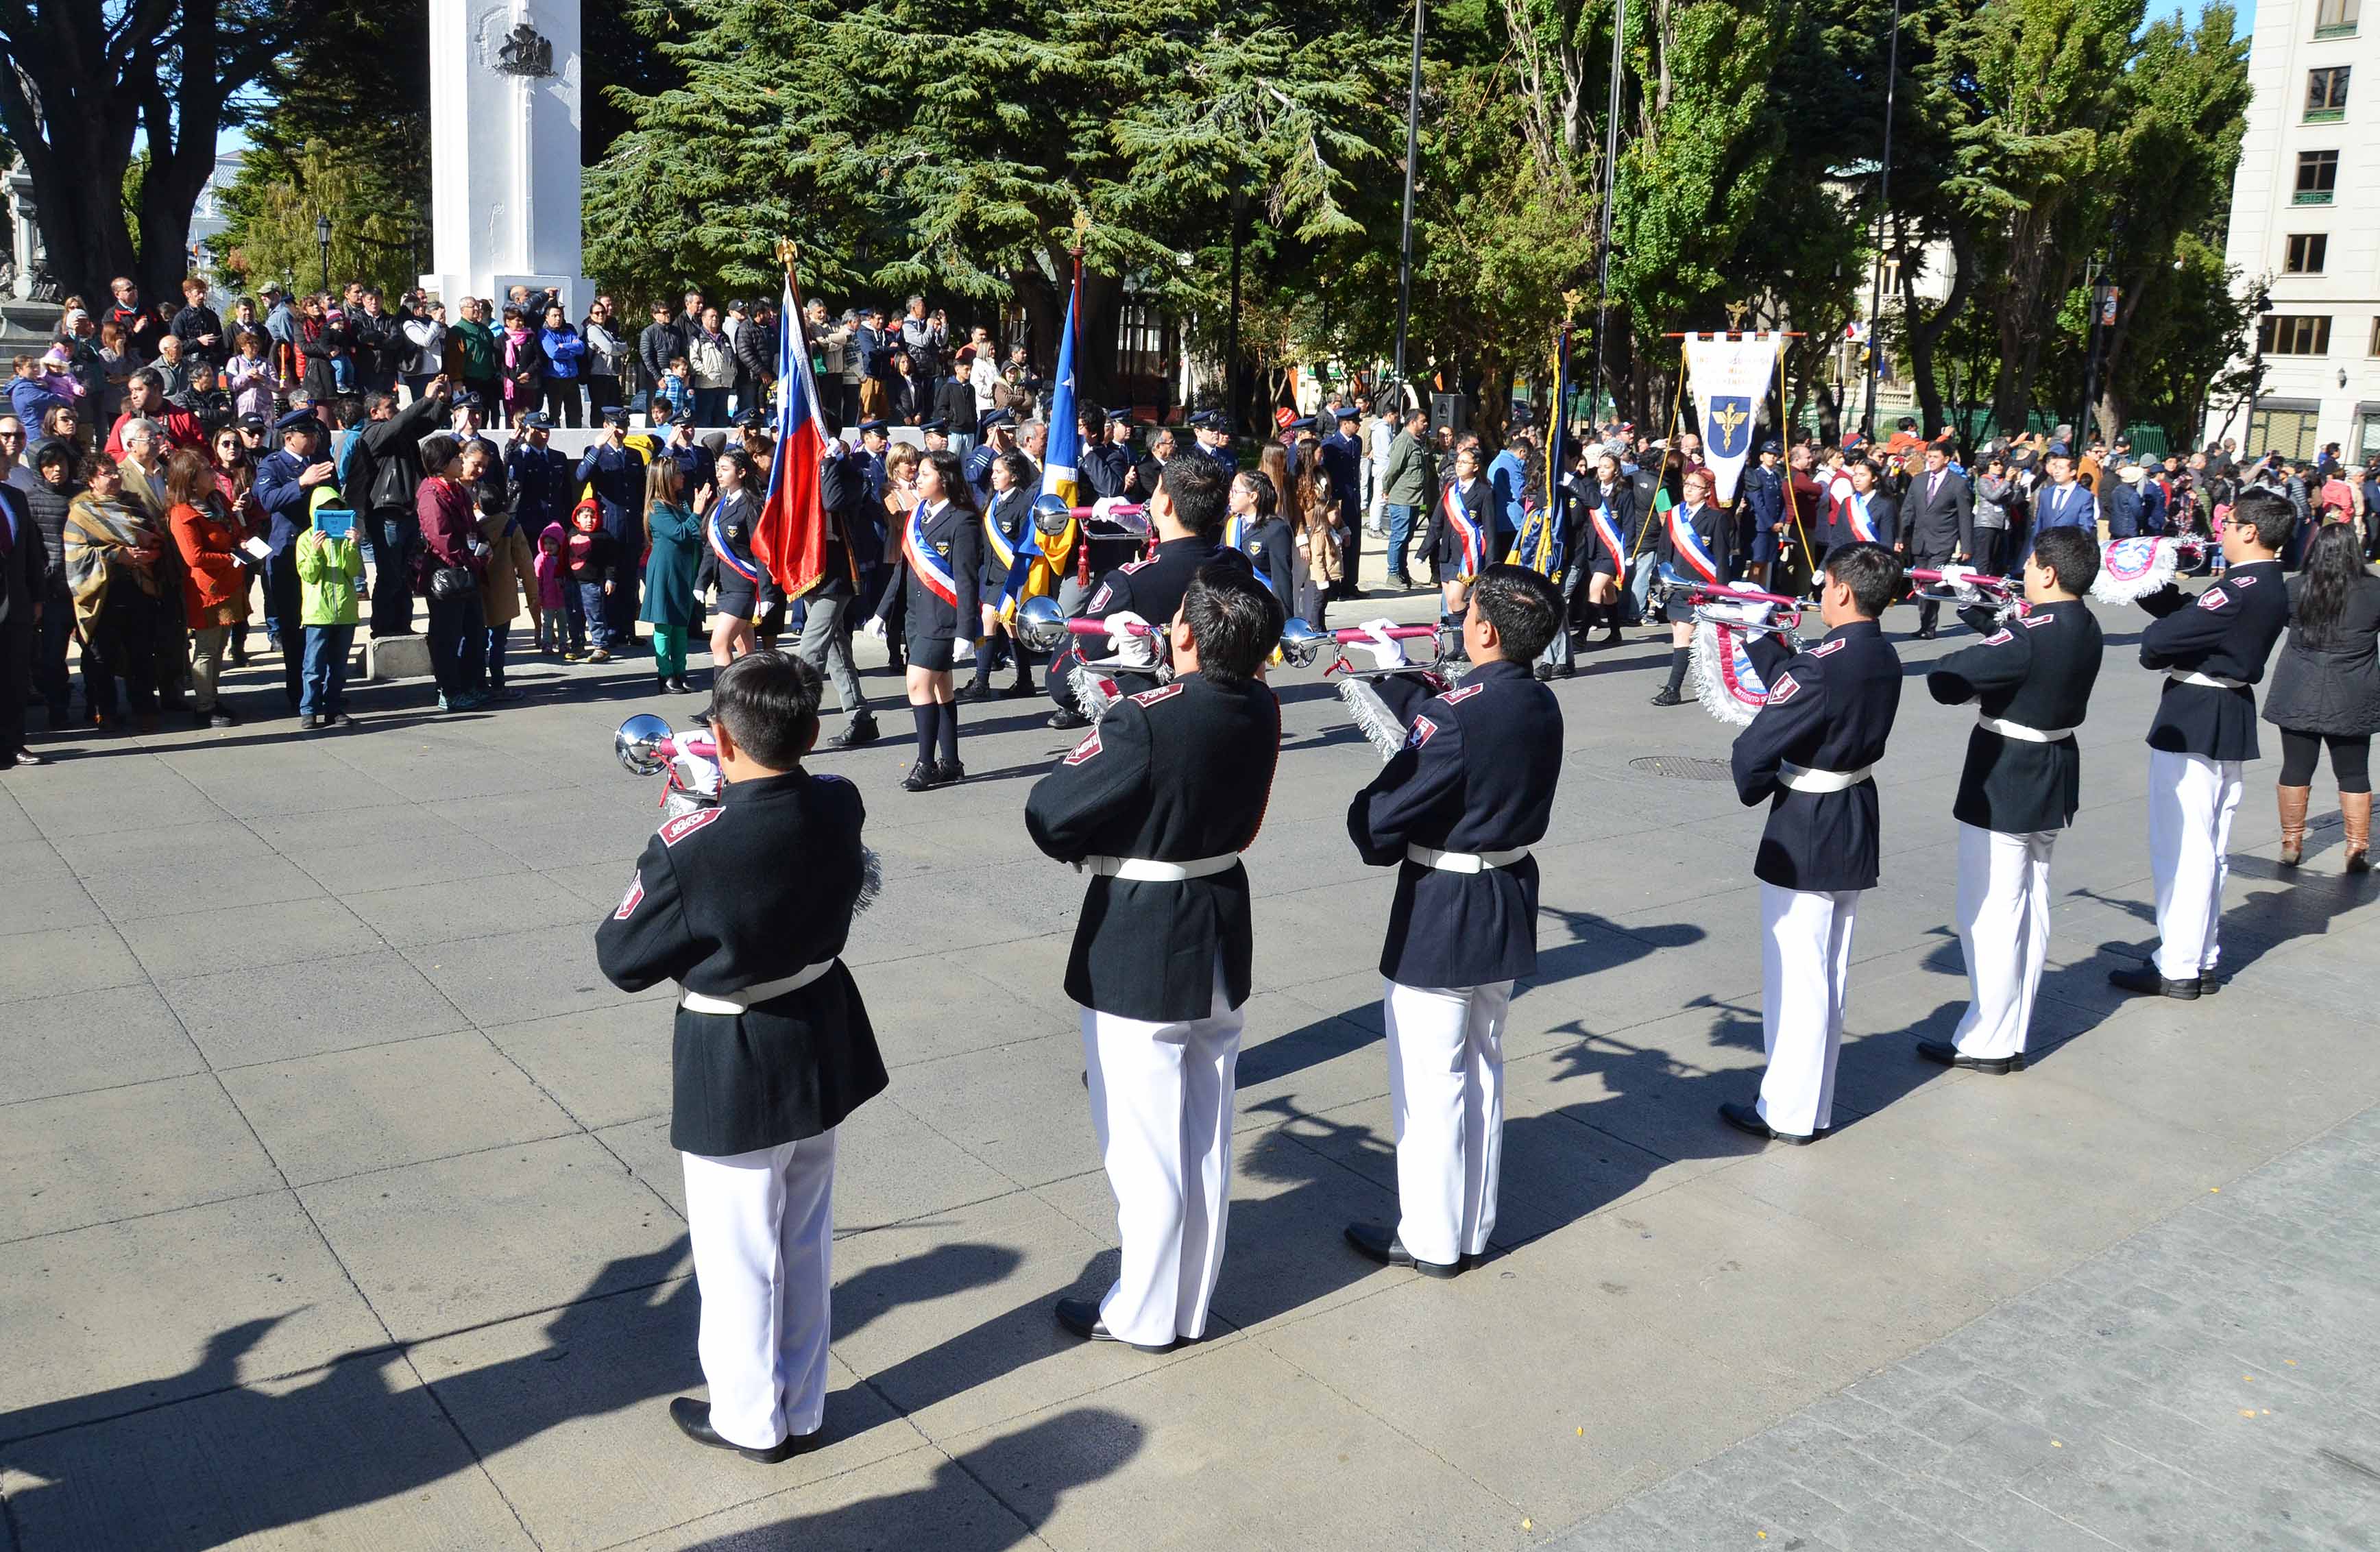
(1051, 514)
(638, 744)
(1300, 643)
(1039, 625)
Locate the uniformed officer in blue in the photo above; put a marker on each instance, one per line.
(2031, 680)
(999, 439)
(1215, 438)
(746, 907)
(2210, 651)
(1186, 515)
(1156, 803)
(1455, 813)
(540, 477)
(1109, 466)
(1809, 754)
(617, 473)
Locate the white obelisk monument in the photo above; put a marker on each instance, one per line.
(506, 82)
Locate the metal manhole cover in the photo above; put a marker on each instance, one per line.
(1683, 767)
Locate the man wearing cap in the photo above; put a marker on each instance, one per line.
(694, 460)
(1342, 463)
(383, 476)
(937, 434)
(539, 478)
(471, 419)
(1109, 466)
(1215, 438)
(999, 439)
(284, 488)
(2124, 502)
(873, 440)
(617, 473)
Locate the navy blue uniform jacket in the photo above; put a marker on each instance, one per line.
(1830, 708)
(2037, 671)
(2227, 632)
(1477, 774)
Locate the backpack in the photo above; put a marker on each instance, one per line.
(351, 448)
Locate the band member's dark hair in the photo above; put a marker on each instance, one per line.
(1260, 487)
(2072, 556)
(955, 490)
(1234, 620)
(1870, 572)
(769, 703)
(1201, 492)
(1521, 605)
(2267, 512)
(1020, 471)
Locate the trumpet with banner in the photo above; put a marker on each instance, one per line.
(1965, 587)
(1301, 645)
(2131, 569)
(1727, 615)
(1041, 627)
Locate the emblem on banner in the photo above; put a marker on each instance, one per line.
(1729, 435)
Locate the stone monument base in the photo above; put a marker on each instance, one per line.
(395, 657)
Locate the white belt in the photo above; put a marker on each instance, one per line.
(1464, 862)
(742, 1001)
(1148, 870)
(1802, 779)
(2205, 681)
(2006, 729)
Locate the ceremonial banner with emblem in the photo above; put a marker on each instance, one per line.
(1729, 374)
(1041, 560)
(1541, 535)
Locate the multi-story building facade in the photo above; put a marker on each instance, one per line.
(2305, 223)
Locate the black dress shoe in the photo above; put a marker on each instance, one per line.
(1082, 1317)
(972, 691)
(1926, 633)
(948, 771)
(2142, 980)
(1545, 673)
(1377, 1242)
(1567, 670)
(1668, 697)
(1065, 721)
(1747, 1119)
(920, 777)
(1950, 1056)
(856, 733)
(693, 1420)
(1024, 689)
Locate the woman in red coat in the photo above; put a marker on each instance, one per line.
(214, 579)
(447, 572)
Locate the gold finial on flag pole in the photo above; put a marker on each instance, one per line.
(1735, 311)
(787, 252)
(1082, 230)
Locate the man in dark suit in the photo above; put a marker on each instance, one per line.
(24, 562)
(1938, 524)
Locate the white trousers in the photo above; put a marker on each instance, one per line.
(2004, 928)
(1162, 1099)
(763, 1229)
(2192, 799)
(1806, 971)
(1446, 1085)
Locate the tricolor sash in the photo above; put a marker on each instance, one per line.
(1855, 514)
(1608, 532)
(1466, 532)
(931, 568)
(1688, 545)
(748, 570)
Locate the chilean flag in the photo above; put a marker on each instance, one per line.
(790, 538)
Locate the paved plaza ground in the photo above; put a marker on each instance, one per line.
(336, 1209)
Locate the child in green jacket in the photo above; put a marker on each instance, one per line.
(328, 573)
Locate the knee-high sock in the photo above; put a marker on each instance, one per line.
(1678, 656)
(926, 717)
(949, 720)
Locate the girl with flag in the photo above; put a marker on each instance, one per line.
(729, 510)
(1459, 532)
(1692, 545)
(937, 575)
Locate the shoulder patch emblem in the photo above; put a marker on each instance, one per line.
(1999, 635)
(2035, 622)
(1162, 691)
(1086, 750)
(1825, 647)
(684, 825)
(2244, 580)
(2214, 598)
(1783, 688)
(630, 901)
(1421, 733)
(1099, 604)
(1456, 697)
(1131, 566)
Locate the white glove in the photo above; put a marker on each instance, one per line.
(1387, 652)
(1749, 611)
(963, 649)
(875, 626)
(1106, 504)
(1132, 650)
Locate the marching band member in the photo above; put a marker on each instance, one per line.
(937, 572)
(1809, 752)
(2031, 680)
(1157, 803)
(1256, 529)
(1185, 513)
(1693, 543)
(1006, 520)
(746, 905)
(1859, 512)
(1460, 533)
(1455, 813)
(2211, 651)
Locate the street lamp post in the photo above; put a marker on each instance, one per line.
(323, 241)
(1413, 158)
(1883, 201)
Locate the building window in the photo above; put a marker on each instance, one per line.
(2306, 253)
(2376, 338)
(2327, 94)
(2286, 334)
(2367, 435)
(2289, 433)
(2318, 178)
(1144, 341)
(2336, 19)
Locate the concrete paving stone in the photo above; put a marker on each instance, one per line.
(600, 884)
(345, 1112)
(82, 1159)
(540, 1398)
(1296, 1058)
(393, 846)
(353, 1455)
(1789, 1511)
(117, 851)
(52, 902)
(536, 830)
(1844, 1474)
(199, 942)
(274, 774)
(92, 1039)
(934, 1500)
(965, 912)
(142, 795)
(930, 1007)
(604, 1065)
(165, 883)
(484, 906)
(64, 960)
(1879, 1527)
(642, 1148)
(282, 1012)
(2126, 1497)
(95, 1332)
(14, 826)
(513, 977)
(949, 1319)
(1019, 1108)
(431, 766)
(1625, 1529)
(460, 1242)
(1328, 1462)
